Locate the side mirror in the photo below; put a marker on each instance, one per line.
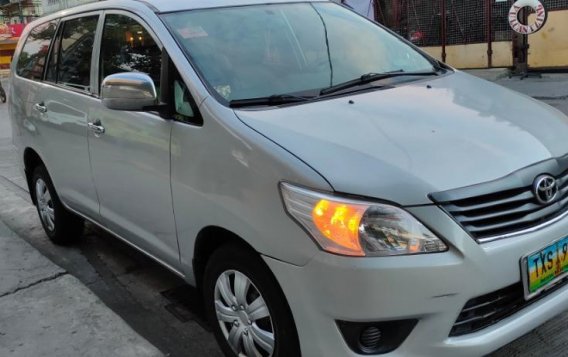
(129, 91)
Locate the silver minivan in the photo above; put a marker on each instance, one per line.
(331, 189)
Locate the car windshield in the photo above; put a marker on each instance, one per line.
(259, 51)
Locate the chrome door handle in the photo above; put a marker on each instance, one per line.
(96, 127)
(40, 107)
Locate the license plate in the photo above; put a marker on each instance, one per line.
(544, 268)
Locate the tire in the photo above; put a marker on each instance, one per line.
(245, 320)
(61, 226)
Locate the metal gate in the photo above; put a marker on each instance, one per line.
(464, 33)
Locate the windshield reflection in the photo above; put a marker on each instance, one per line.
(259, 51)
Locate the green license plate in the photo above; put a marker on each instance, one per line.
(543, 269)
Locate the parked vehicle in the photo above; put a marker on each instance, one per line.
(332, 190)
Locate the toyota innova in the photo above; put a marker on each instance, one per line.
(330, 188)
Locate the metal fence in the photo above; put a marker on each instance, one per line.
(417, 20)
(500, 29)
(451, 22)
(552, 5)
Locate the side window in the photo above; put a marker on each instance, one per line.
(183, 106)
(75, 52)
(128, 47)
(31, 62)
(182, 101)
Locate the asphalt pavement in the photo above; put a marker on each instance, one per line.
(101, 297)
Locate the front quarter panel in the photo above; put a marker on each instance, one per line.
(224, 174)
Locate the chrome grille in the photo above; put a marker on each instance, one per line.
(507, 211)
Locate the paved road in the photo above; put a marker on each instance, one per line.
(154, 302)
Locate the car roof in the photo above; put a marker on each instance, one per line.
(160, 6)
(156, 6)
(169, 5)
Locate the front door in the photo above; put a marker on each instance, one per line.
(131, 158)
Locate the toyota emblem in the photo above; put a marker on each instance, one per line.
(545, 189)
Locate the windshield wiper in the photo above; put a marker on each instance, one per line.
(276, 99)
(371, 77)
(279, 99)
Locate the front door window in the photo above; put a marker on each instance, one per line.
(128, 47)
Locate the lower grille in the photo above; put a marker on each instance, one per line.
(489, 309)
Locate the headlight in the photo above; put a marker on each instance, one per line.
(358, 228)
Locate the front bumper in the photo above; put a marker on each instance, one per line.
(432, 288)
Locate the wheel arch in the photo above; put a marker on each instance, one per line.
(212, 238)
(208, 240)
(31, 160)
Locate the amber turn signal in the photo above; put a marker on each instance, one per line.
(340, 222)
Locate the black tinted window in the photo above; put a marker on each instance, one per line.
(31, 62)
(76, 49)
(128, 47)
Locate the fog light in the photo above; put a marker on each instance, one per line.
(375, 338)
(370, 339)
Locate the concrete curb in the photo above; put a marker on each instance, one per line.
(491, 74)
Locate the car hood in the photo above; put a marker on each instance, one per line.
(402, 143)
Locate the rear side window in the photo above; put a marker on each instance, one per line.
(76, 51)
(31, 62)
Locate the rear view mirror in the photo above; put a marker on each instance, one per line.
(129, 91)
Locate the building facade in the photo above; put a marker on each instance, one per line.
(14, 15)
(20, 11)
(51, 6)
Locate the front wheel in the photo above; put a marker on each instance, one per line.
(246, 307)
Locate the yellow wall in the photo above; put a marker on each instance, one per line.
(502, 54)
(549, 46)
(435, 52)
(467, 56)
(474, 55)
(461, 56)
